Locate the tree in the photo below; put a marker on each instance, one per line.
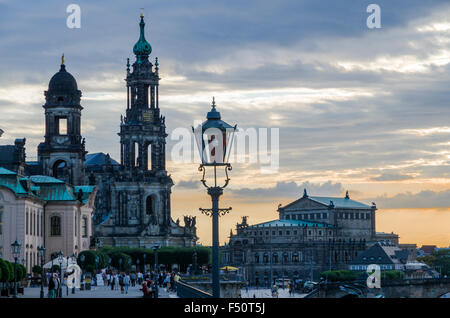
(36, 269)
(6, 272)
(21, 272)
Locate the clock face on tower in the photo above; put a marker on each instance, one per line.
(60, 139)
(148, 116)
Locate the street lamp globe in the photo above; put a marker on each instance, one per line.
(15, 248)
(60, 257)
(74, 258)
(214, 138)
(41, 250)
(82, 257)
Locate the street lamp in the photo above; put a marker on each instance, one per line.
(120, 264)
(194, 256)
(155, 250)
(60, 261)
(145, 255)
(41, 250)
(214, 140)
(74, 261)
(96, 269)
(82, 258)
(15, 247)
(137, 264)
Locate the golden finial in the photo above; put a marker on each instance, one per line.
(142, 12)
(62, 59)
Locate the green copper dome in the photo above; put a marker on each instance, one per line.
(142, 48)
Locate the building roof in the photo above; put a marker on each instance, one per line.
(99, 158)
(7, 154)
(44, 179)
(382, 254)
(343, 203)
(281, 223)
(62, 82)
(4, 171)
(331, 202)
(43, 187)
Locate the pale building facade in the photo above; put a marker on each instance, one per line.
(43, 211)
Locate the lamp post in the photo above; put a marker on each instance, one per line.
(60, 261)
(155, 250)
(15, 247)
(82, 258)
(137, 264)
(74, 261)
(67, 279)
(214, 140)
(145, 255)
(194, 262)
(41, 250)
(96, 269)
(120, 264)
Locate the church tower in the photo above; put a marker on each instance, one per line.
(142, 131)
(133, 206)
(62, 154)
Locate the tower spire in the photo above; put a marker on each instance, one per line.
(62, 59)
(142, 48)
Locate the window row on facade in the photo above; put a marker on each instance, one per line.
(34, 222)
(285, 258)
(324, 216)
(55, 226)
(287, 232)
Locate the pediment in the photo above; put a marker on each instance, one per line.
(303, 204)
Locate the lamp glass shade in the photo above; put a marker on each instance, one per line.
(214, 139)
(60, 257)
(15, 248)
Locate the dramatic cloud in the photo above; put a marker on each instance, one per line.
(391, 177)
(423, 199)
(290, 190)
(188, 184)
(355, 107)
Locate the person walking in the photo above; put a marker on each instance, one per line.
(133, 279)
(122, 288)
(51, 287)
(108, 278)
(112, 281)
(126, 282)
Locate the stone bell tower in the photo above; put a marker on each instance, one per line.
(62, 154)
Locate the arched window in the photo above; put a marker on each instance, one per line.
(60, 169)
(150, 205)
(285, 258)
(256, 258)
(84, 226)
(266, 258)
(275, 257)
(55, 225)
(295, 258)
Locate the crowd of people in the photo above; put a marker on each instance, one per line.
(149, 282)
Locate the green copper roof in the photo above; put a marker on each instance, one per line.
(44, 179)
(4, 171)
(142, 48)
(282, 223)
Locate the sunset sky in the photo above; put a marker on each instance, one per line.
(358, 109)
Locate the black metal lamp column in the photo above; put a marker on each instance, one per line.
(214, 139)
(155, 249)
(16, 254)
(74, 261)
(41, 250)
(60, 260)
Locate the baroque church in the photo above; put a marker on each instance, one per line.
(132, 204)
